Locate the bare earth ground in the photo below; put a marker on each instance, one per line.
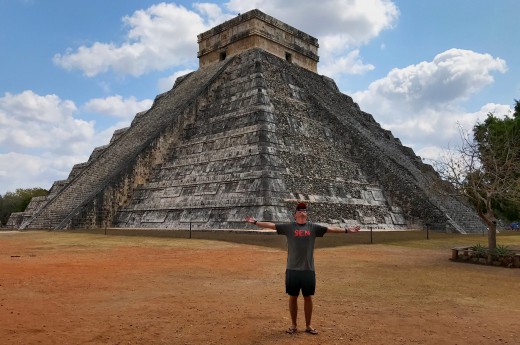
(63, 288)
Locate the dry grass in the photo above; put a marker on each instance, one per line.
(412, 239)
(401, 289)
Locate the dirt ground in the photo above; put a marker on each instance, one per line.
(58, 288)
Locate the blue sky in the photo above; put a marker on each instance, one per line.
(72, 72)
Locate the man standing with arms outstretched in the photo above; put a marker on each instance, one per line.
(300, 274)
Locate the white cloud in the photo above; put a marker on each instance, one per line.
(165, 84)
(341, 26)
(31, 121)
(27, 106)
(350, 64)
(355, 22)
(452, 76)
(160, 37)
(165, 35)
(117, 106)
(421, 103)
(446, 129)
(40, 139)
(213, 13)
(21, 170)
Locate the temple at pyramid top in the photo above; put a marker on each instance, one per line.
(255, 29)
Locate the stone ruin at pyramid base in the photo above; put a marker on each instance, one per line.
(253, 132)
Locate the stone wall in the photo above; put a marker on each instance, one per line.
(252, 135)
(244, 155)
(256, 29)
(121, 155)
(401, 175)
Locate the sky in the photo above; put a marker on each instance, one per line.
(72, 72)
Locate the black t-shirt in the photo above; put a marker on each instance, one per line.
(300, 244)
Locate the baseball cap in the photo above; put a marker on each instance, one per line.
(301, 207)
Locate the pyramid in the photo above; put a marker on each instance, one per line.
(253, 131)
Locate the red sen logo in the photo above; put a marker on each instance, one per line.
(302, 233)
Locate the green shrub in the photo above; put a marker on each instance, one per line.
(479, 251)
(501, 252)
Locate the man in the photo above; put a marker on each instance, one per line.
(300, 274)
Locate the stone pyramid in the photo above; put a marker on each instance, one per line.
(252, 132)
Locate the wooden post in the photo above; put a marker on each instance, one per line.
(454, 254)
(516, 260)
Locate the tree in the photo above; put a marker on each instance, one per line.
(486, 168)
(17, 201)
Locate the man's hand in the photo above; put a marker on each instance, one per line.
(261, 224)
(353, 229)
(250, 219)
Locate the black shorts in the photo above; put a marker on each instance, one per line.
(300, 280)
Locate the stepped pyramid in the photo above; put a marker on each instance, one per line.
(252, 132)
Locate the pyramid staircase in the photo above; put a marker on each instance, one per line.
(251, 135)
(94, 177)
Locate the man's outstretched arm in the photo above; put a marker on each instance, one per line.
(348, 229)
(265, 225)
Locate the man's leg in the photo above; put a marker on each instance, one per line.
(293, 309)
(307, 306)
